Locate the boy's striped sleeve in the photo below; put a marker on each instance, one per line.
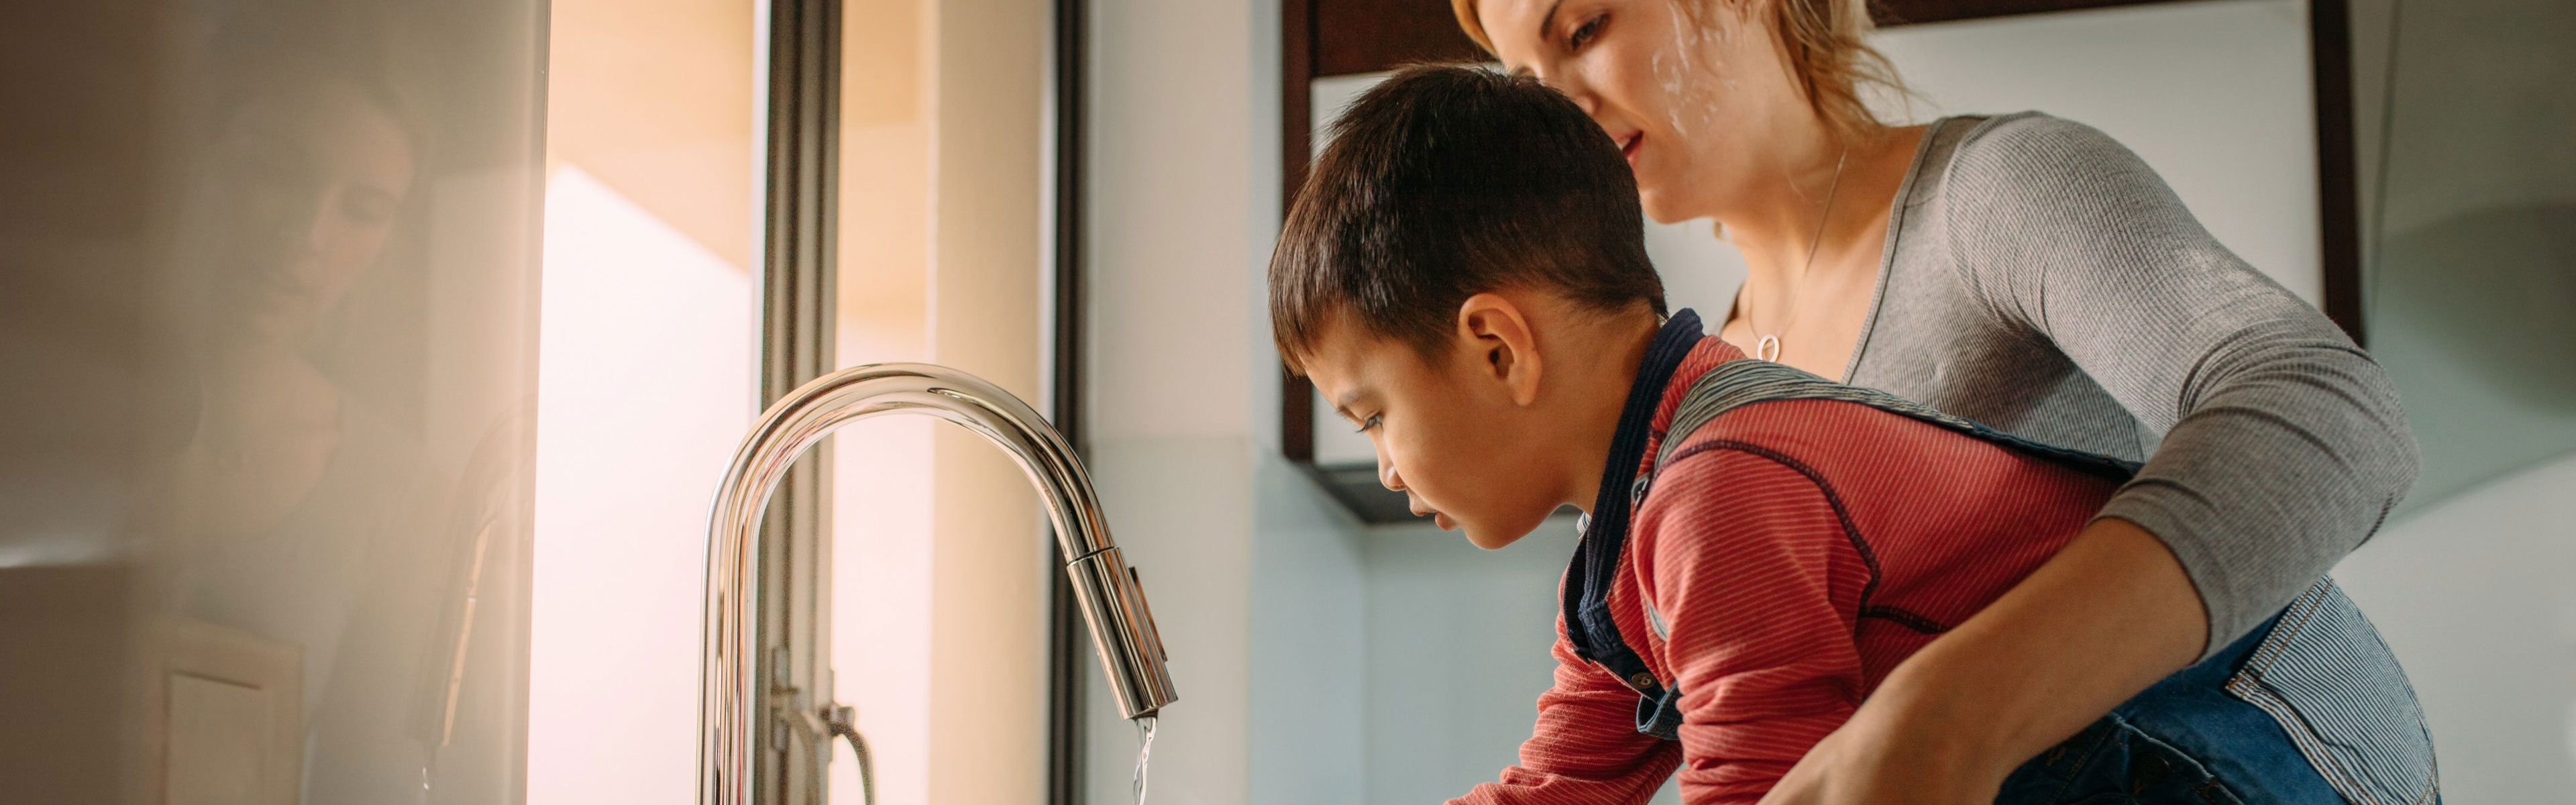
(1586, 749)
(1759, 582)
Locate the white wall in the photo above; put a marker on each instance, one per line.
(645, 331)
(649, 326)
(1254, 577)
(1457, 655)
(2476, 596)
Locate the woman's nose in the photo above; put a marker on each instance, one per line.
(299, 220)
(317, 223)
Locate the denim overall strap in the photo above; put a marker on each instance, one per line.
(1589, 626)
(1735, 384)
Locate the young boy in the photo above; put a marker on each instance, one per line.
(1464, 278)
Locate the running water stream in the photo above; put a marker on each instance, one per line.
(1144, 754)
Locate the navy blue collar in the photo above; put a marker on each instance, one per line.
(1588, 624)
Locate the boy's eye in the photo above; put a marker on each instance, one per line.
(1585, 33)
(1370, 422)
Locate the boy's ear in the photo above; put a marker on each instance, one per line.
(1498, 334)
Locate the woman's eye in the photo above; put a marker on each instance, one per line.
(1585, 33)
(1371, 422)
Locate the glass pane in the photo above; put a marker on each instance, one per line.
(266, 441)
(2473, 287)
(2463, 110)
(883, 510)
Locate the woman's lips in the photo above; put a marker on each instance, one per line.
(1628, 147)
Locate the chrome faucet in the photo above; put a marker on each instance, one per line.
(1112, 600)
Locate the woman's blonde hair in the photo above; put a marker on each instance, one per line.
(1825, 42)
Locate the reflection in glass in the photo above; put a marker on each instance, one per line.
(2472, 288)
(304, 578)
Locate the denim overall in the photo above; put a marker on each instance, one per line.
(2310, 707)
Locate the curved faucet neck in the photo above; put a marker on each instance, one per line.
(1107, 590)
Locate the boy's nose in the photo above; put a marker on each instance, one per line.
(1387, 476)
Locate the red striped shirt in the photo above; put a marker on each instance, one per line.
(1796, 550)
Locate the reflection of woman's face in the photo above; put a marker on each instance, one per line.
(311, 176)
(1701, 106)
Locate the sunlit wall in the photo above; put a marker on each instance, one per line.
(646, 381)
(643, 388)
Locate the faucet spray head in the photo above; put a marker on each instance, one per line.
(1112, 598)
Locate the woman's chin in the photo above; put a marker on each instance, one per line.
(281, 323)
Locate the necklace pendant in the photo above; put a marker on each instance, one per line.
(1767, 349)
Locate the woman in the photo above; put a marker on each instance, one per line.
(2030, 273)
(300, 510)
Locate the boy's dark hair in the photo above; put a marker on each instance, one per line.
(1447, 181)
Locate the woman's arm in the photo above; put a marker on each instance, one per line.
(2105, 618)
(2283, 448)
(2283, 443)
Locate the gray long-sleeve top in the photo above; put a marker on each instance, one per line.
(2040, 278)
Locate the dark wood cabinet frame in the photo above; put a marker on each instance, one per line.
(1323, 38)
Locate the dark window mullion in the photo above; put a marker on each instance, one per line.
(798, 267)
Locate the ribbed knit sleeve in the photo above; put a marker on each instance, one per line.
(2283, 443)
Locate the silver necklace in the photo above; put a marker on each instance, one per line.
(1767, 346)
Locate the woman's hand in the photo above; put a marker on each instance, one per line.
(2101, 621)
(1867, 761)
